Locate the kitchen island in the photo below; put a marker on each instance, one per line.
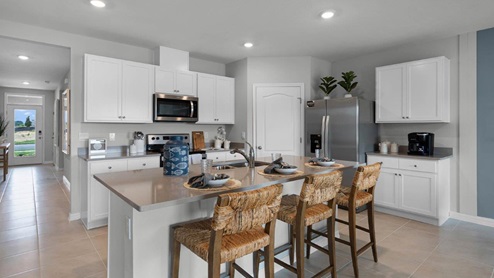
(144, 204)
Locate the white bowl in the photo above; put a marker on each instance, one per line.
(215, 182)
(325, 163)
(286, 170)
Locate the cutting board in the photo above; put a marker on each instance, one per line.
(198, 140)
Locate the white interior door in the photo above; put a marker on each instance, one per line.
(25, 134)
(277, 119)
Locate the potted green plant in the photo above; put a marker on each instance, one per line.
(347, 82)
(3, 128)
(327, 85)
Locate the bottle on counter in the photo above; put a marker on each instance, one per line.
(176, 157)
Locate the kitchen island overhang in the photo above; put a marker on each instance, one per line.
(144, 204)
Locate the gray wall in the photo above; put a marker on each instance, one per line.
(238, 70)
(485, 123)
(447, 134)
(47, 119)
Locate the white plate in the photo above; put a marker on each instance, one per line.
(325, 163)
(286, 171)
(217, 183)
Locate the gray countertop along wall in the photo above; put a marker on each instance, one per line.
(439, 153)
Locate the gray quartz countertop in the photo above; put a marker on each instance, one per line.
(439, 153)
(149, 189)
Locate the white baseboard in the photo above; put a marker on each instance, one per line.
(74, 216)
(48, 162)
(472, 219)
(66, 182)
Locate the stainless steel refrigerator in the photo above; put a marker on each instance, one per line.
(342, 128)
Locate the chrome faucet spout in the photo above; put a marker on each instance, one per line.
(251, 158)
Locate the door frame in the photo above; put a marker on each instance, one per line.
(301, 86)
(42, 106)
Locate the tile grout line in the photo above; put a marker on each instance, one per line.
(420, 265)
(492, 275)
(37, 227)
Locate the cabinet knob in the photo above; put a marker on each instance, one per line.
(109, 167)
(415, 166)
(143, 164)
(123, 117)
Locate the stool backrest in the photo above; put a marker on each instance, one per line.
(366, 176)
(241, 211)
(320, 188)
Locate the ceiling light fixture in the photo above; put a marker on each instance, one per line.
(327, 14)
(23, 57)
(248, 44)
(25, 83)
(98, 3)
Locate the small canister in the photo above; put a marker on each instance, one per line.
(176, 157)
(394, 148)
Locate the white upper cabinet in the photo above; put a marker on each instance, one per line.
(117, 90)
(181, 82)
(413, 92)
(216, 99)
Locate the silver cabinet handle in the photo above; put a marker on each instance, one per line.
(143, 164)
(109, 167)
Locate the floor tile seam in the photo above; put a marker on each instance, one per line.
(19, 254)
(422, 263)
(95, 249)
(393, 232)
(18, 273)
(57, 263)
(492, 275)
(474, 261)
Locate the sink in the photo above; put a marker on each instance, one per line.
(233, 165)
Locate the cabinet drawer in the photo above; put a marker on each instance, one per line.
(388, 162)
(108, 166)
(234, 156)
(418, 165)
(217, 156)
(144, 163)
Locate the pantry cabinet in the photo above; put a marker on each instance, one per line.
(415, 188)
(94, 196)
(216, 99)
(117, 90)
(414, 92)
(180, 82)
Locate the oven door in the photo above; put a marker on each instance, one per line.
(174, 108)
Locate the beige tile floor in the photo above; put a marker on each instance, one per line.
(37, 240)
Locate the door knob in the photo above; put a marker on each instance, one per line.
(259, 147)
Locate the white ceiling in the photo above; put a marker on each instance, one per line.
(47, 63)
(216, 29)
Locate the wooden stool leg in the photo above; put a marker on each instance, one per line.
(309, 239)
(372, 231)
(331, 243)
(299, 250)
(256, 262)
(269, 261)
(292, 244)
(231, 269)
(176, 258)
(352, 226)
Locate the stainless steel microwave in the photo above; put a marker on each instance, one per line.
(175, 108)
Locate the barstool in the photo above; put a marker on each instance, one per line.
(359, 194)
(234, 231)
(315, 203)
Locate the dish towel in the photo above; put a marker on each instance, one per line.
(195, 158)
(270, 169)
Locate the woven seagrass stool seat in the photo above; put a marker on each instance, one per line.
(359, 194)
(315, 203)
(235, 230)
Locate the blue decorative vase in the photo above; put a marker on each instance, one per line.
(176, 157)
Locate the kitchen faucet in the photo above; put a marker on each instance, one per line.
(251, 159)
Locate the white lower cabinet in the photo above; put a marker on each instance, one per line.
(94, 196)
(414, 188)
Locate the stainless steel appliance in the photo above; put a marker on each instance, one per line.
(421, 143)
(341, 128)
(175, 108)
(155, 143)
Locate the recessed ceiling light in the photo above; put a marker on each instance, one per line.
(98, 3)
(327, 14)
(248, 44)
(25, 83)
(23, 57)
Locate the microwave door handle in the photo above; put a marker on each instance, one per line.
(191, 109)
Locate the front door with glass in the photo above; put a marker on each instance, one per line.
(25, 132)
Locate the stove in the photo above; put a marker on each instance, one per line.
(155, 143)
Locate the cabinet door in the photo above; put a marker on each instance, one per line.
(390, 88)
(418, 192)
(137, 91)
(144, 163)
(234, 156)
(97, 193)
(206, 88)
(386, 192)
(425, 90)
(102, 89)
(164, 81)
(217, 156)
(225, 100)
(185, 83)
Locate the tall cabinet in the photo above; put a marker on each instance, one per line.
(216, 99)
(413, 92)
(117, 90)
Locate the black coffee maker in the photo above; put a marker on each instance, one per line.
(421, 143)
